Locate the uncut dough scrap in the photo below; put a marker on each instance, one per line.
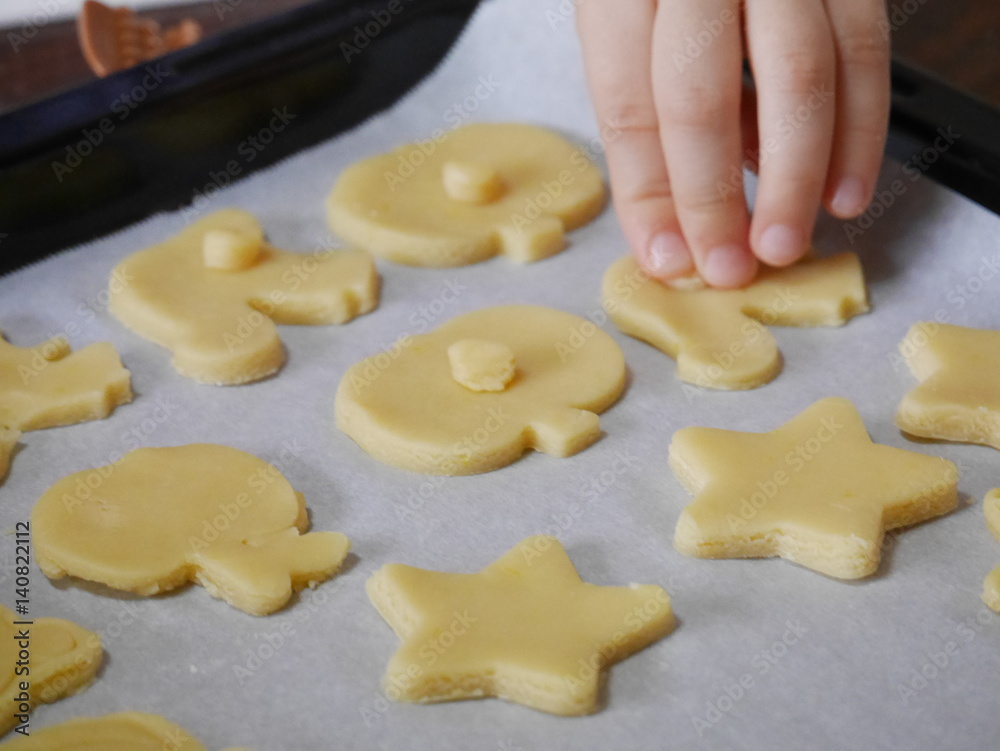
(816, 491)
(219, 323)
(525, 629)
(63, 660)
(718, 336)
(125, 731)
(991, 587)
(958, 398)
(48, 385)
(405, 407)
(163, 516)
(406, 214)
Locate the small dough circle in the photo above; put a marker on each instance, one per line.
(481, 365)
(471, 182)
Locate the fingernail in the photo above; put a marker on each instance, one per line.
(668, 255)
(849, 200)
(780, 245)
(728, 266)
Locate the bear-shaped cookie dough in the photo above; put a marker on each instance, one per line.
(476, 393)
(213, 293)
(719, 336)
(160, 517)
(41, 661)
(468, 195)
(125, 731)
(49, 385)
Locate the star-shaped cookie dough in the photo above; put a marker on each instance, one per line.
(719, 337)
(525, 629)
(160, 517)
(486, 386)
(468, 195)
(42, 661)
(817, 491)
(124, 731)
(991, 586)
(48, 385)
(213, 293)
(958, 398)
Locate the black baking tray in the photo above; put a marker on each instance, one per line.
(86, 162)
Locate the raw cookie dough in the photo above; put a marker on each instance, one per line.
(213, 293)
(62, 658)
(125, 731)
(525, 629)
(718, 336)
(477, 191)
(991, 586)
(958, 398)
(160, 517)
(47, 385)
(414, 409)
(816, 491)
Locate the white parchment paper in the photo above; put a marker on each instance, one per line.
(767, 655)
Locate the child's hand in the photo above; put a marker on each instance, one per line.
(668, 75)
